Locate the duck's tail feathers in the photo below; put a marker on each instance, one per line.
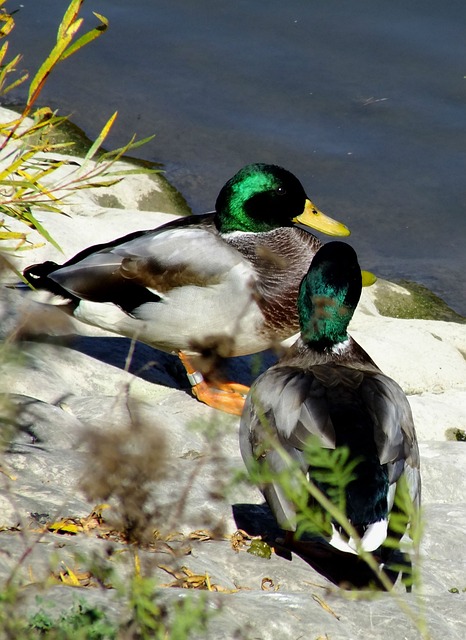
(37, 276)
(373, 537)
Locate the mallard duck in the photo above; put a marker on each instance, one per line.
(326, 390)
(229, 277)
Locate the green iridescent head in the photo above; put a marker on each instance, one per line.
(262, 197)
(328, 295)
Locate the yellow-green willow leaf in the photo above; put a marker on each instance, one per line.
(87, 37)
(101, 137)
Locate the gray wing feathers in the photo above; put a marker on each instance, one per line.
(258, 445)
(299, 411)
(288, 419)
(159, 261)
(391, 413)
(275, 494)
(395, 434)
(201, 248)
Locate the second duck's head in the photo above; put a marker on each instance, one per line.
(328, 295)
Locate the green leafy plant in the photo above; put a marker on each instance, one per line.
(152, 620)
(82, 622)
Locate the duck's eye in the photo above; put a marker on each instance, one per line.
(281, 191)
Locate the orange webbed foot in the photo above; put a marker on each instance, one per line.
(225, 396)
(226, 399)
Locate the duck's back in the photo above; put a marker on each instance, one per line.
(334, 406)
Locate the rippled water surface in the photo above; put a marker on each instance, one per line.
(364, 101)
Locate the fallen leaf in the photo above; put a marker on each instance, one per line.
(187, 579)
(268, 584)
(75, 578)
(202, 535)
(239, 539)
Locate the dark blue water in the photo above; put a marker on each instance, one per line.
(364, 101)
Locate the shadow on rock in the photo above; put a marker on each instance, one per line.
(157, 366)
(342, 569)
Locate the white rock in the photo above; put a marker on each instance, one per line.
(437, 415)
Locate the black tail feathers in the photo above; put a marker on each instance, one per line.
(38, 276)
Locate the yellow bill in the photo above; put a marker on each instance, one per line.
(312, 217)
(368, 278)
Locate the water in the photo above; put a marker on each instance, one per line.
(364, 101)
